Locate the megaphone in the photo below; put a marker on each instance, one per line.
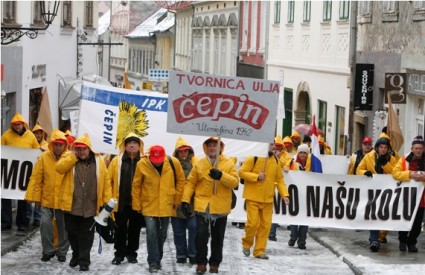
(103, 216)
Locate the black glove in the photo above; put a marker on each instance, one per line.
(368, 174)
(215, 174)
(382, 160)
(185, 207)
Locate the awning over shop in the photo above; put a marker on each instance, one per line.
(70, 90)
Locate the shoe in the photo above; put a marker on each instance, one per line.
(402, 246)
(302, 246)
(153, 268)
(412, 248)
(22, 228)
(192, 260)
(117, 260)
(74, 261)
(272, 238)
(374, 246)
(291, 242)
(132, 260)
(61, 258)
(84, 267)
(262, 256)
(246, 251)
(6, 226)
(181, 260)
(213, 269)
(384, 240)
(201, 268)
(47, 257)
(36, 223)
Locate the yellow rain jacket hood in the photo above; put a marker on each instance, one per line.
(205, 147)
(25, 140)
(18, 117)
(181, 143)
(45, 182)
(133, 135)
(57, 135)
(84, 139)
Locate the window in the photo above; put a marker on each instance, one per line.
(291, 9)
(390, 11)
(419, 11)
(277, 8)
(364, 8)
(339, 131)
(141, 60)
(323, 110)
(307, 11)
(419, 5)
(37, 18)
(287, 121)
(253, 34)
(327, 10)
(389, 6)
(344, 10)
(67, 14)
(9, 12)
(88, 14)
(207, 51)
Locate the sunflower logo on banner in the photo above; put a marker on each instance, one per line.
(131, 119)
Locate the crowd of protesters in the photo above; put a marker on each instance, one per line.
(71, 184)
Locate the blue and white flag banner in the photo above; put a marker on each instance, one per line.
(344, 201)
(228, 107)
(16, 169)
(108, 114)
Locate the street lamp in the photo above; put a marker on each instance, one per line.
(11, 34)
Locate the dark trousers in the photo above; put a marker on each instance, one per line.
(217, 229)
(80, 236)
(21, 212)
(127, 235)
(411, 237)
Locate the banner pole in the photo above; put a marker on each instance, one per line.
(217, 156)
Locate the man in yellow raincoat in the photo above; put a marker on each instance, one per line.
(85, 188)
(378, 161)
(211, 181)
(43, 189)
(129, 222)
(184, 242)
(156, 193)
(261, 179)
(17, 135)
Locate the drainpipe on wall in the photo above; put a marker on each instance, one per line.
(353, 49)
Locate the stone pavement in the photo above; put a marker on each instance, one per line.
(353, 247)
(12, 239)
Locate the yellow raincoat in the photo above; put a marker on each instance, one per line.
(202, 185)
(11, 138)
(66, 165)
(45, 182)
(114, 169)
(154, 194)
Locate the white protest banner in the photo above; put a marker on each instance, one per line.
(344, 201)
(108, 114)
(230, 107)
(16, 168)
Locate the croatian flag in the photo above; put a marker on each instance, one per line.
(316, 164)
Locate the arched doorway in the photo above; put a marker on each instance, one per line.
(302, 112)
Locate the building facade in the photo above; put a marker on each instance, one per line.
(31, 66)
(391, 37)
(308, 48)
